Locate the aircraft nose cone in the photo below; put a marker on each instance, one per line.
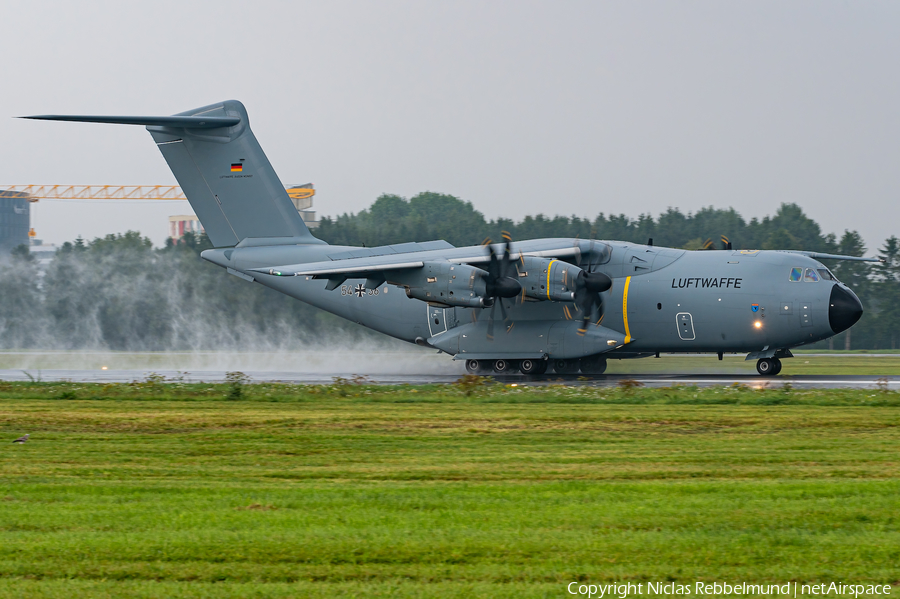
(844, 309)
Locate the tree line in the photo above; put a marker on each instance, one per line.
(119, 292)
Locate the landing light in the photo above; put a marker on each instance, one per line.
(758, 324)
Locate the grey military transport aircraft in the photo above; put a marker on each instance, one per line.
(528, 306)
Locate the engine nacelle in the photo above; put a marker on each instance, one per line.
(444, 283)
(544, 279)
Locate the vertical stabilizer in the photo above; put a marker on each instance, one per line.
(223, 172)
(228, 179)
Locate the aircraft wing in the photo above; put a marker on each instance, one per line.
(362, 267)
(821, 256)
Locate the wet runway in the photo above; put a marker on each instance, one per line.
(652, 380)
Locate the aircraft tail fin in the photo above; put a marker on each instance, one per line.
(223, 172)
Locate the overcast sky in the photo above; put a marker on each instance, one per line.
(519, 107)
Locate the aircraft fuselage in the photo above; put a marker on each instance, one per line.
(661, 300)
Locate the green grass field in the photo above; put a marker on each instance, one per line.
(160, 490)
(374, 358)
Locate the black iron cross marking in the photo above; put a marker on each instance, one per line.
(360, 290)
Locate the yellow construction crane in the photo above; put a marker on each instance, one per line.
(117, 192)
(301, 195)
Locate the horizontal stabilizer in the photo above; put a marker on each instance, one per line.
(182, 122)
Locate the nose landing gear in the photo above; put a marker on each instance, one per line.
(768, 366)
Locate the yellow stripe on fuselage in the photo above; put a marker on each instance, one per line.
(625, 309)
(549, 270)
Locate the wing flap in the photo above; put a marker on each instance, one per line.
(319, 269)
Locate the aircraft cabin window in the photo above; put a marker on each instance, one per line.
(811, 275)
(796, 274)
(826, 274)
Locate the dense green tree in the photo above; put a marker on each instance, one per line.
(856, 276)
(118, 292)
(886, 294)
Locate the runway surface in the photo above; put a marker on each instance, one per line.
(655, 380)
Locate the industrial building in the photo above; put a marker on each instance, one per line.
(184, 223)
(15, 219)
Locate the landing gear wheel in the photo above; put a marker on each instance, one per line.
(593, 365)
(533, 366)
(565, 366)
(473, 367)
(504, 366)
(767, 366)
(777, 370)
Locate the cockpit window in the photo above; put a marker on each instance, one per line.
(811, 275)
(796, 274)
(826, 274)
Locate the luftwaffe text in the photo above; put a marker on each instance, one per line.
(704, 282)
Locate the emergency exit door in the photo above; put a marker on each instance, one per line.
(685, 325)
(437, 321)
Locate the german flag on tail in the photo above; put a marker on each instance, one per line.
(237, 167)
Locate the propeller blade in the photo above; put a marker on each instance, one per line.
(583, 301)
(586, 306)
(505, 264)
(494, 265)
(490, 330)
(599, 302)
(583, 328)
(501, 281)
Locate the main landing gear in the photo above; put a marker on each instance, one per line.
(503, 366)
(533, 366)
(587, 365)
(768, 366)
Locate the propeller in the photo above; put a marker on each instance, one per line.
(500, 281)
(709, 244)
(588, 287)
